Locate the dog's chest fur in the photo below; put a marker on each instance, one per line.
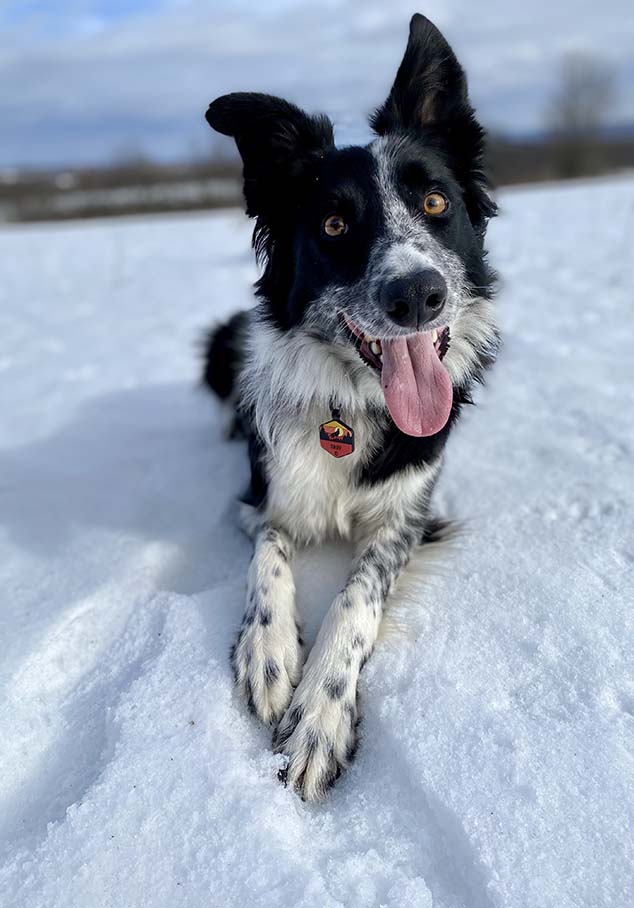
(310, 493)
(288, 383)
(317, 496)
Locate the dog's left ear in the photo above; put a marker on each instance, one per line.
(430, 96)
(430, 88)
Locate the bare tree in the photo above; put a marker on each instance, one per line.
(578, 111)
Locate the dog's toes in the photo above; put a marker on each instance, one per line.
(319, 744)
(267, 667)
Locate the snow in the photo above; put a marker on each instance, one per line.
(496, 768)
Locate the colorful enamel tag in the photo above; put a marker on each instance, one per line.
(336, 437)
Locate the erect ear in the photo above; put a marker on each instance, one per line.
(430, 95)
(430, 88)
(277, 142)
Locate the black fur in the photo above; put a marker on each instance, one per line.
(223, 355)
(429, 99)
(281, 149)
(322, 307)
(293, 174)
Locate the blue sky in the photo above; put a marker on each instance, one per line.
(92, 80)
(55, 18)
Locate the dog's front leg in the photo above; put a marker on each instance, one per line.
(268, 655)
(318, 732)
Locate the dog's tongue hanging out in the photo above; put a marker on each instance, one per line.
(416, 385)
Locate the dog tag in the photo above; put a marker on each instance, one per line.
(336, 437)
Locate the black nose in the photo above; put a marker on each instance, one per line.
(414, 300)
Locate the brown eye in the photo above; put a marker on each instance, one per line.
(334, 225)
(435, 203)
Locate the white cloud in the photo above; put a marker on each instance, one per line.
(94, 86)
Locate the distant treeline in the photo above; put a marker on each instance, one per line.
(143, 186)
(558, 156)
(132, 187)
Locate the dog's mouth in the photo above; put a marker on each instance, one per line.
(416, 384)
(370, 349)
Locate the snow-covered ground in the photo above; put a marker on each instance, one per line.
(496, 768)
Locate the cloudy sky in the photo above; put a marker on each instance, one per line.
(91, 80)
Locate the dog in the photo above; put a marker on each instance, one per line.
(373, 322)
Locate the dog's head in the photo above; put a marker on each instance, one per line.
(377, 249)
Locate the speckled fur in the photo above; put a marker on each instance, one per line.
(290, 361)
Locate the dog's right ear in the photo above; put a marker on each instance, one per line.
(277, 143)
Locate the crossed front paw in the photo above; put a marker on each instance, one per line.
(318, 735)
(267, 661)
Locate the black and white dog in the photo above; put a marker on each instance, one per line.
(373, 322)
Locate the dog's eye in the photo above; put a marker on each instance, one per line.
(334, 225)
(435, 203)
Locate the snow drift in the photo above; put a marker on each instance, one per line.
(496, 767)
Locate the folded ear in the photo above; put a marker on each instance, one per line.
(276, 140)
(430, 88)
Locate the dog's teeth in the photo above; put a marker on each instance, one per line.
(375, 347)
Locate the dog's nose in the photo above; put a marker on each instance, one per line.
(414, 300)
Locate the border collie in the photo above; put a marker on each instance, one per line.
(373, 321)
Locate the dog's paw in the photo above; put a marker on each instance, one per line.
(267, 661)
(318, 735)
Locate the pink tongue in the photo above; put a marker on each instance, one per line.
(416, 385)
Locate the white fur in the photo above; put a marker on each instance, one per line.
(473, 335)
(287, 373)
(471, 320)
(270, 649)
(410, 245)
(289, 382)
